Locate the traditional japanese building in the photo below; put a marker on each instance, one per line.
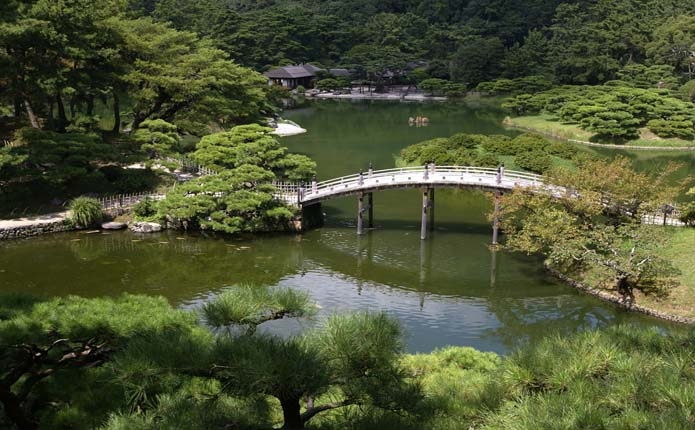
(304, 74)
(293, 76)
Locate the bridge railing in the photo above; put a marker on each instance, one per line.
(424, 173)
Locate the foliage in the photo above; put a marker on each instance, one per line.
(240, 197)
(85, 211)
(526, 85)
(594, 221)
(531, 152)
(433, 86)
(535, 161)
(582, 380)
(145, 208)
(252, 306)
(328, 84)
(157, 137)
(253, 145)
(134, 362)
(612, 111)
(233, 201)
(60, 158)
(352, 359)
(55, 352)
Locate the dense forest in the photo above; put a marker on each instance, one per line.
(181, 59)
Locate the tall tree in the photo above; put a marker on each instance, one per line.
(176, 77)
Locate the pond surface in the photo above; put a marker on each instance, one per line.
(449, 289)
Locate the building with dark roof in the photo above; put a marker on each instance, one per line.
(304, 74)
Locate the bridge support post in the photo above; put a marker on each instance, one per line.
(431, 208)
(496, 219)
(360, 211)
(370, 202)
(425, 204)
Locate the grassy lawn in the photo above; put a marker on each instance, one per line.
(549, 125)
(679, 250)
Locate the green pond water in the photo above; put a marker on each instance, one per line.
(449, 289)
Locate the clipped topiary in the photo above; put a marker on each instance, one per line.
(86, 212)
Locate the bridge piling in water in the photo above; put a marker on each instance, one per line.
(370, 202)
(425, 204)
(496, 219)
(360, 211)
(430, 201)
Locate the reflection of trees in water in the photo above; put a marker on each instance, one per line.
(525, 309)
(524, 320)
(177, 267)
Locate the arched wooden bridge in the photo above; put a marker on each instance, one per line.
(419, 177)
(427, 178)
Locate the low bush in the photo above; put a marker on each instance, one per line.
(534, 161)
(86, 212)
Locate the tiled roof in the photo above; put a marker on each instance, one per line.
(293, 72)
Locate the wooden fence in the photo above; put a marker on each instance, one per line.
(120, 203)
(191, 166)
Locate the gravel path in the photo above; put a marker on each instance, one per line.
(33, 220)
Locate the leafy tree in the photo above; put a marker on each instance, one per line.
(44, 341)
(233, 201)
(62, 159)
(240, 198)
(673, 43)
(527, 59)
(476, 59)
(612, 121)
(157, 137)
(594, 222)
(252, 306)
(253, 145)
(186, 81)
(354, 355)
(642, 76)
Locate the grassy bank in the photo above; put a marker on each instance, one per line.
(680, 301)
(550, 126)
(679, 251)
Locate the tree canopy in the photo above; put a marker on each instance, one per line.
(594, 223)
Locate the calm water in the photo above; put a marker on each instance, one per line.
(449, 289)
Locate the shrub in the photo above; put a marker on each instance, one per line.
(463, 140)
(487, 160)
(328, 84)
(300, 89)
(145, 208)
(676, 126)
(497, 144)
(562, 150)
(86, 212)
(433, 86)
(535, 161)
(527, 142)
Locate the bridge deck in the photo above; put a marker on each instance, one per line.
(413, 177)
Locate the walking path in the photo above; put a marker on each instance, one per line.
(51, 218)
